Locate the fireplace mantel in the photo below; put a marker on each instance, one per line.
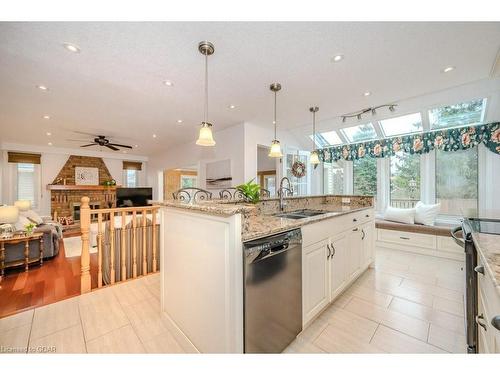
(81, 187)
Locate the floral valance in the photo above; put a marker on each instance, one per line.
(420, 143)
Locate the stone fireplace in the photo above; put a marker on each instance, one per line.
(65, 196)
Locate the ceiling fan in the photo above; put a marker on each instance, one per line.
(101, 140)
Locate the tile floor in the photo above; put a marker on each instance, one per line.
(407, 304)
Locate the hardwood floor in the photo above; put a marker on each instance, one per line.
(57, 279)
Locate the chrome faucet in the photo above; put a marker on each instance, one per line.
(284, 191)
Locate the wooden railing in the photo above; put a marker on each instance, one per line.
(403, 203)
(139, 228)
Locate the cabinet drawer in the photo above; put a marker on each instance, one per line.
(407, 238)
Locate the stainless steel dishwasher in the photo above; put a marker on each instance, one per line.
(273, 292)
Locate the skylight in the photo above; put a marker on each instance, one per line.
(326, 139)
(466, 113)
(360, 133)
(402, 125)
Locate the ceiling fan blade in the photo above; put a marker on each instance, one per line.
(84, 133)
(116, 144)
(77, 140)
(112, 147)
(90, 144)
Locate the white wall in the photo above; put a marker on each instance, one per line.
(264, 162)
(51, 162)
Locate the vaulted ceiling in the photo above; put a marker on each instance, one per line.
(115, 85)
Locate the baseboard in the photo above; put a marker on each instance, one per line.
(181, 338)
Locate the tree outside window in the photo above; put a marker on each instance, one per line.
(365, 176)
(405, 180)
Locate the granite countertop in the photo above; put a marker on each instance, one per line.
(213, 207)
(488, 248)
(261, 225)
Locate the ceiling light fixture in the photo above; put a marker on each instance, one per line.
(367, 93)
(337, 58)
(50, 143)
(43, 88)
(314, 153)
(205, 137)
(232, 106)
(46, 117)
(136, 146)
(448, 69)
(372, 110)
(154, 135)
(275, 151)
(179, 121)
(168, 83)
(72, 47)
(49, 133)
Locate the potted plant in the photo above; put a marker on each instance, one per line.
(250, 190)
(28, 228)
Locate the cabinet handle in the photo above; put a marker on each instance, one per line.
(478, 321)
(354, 220)
(495, 322)
(479, 269)
(329, 251)
(367, 215)
(363, 234)
(333, 253)
(355, 230)
(404, 238)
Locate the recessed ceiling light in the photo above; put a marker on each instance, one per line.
(154, 135)
(232, 106)
(49, 133)
(337, 58)
(367, 93)
(168, 83)
(46, 117)
(72, 47)
(50, 143)
(136, 146)
(179, 121)
(448, 69)
(43, 88)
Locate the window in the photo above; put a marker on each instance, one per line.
(405, 180)
(299, 185)
(27, 182)
(360, 133)
(188, 181)
(131, 177)
(466, 113)
(333, 177)
(402, 125)
(456, 181)
(327, 139)
(365, 176)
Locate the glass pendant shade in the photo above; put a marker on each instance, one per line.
(314, 157)
(275, 151)
(205, 137)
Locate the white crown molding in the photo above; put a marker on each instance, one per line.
(5, 146)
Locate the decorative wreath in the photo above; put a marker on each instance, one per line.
(298, 169)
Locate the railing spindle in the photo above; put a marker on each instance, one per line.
(144, 249)
(122, 249)
(112, 247)
(85, 281)
(134, 244)
(99, 250)
(153, 221)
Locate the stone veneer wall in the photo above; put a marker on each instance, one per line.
(68, 170)
(62, 201)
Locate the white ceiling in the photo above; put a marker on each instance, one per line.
(115, 85)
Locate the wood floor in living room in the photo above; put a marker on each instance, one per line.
(57, 279)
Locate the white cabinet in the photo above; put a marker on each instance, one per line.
(315, 276)
(488, 311)
(339, 252)
(334, 253)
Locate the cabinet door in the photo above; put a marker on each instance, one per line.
(338, 265)
(316, 293)
(367, 237)
(354, 251)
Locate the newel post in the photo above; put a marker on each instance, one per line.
(85, 284)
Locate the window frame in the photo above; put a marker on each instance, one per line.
(351, 141)
(383, 132)
(125, 178)
(428, 110)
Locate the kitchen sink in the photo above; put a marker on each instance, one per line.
(300, 214)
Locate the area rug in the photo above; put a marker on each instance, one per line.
(73, 247)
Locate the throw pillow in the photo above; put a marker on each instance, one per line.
(426, 213)
(400, 215)
(33, 216)
(22, 221)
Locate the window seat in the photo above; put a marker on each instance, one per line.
(414, 228)
(416, 238)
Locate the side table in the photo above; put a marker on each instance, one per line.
(37, 236)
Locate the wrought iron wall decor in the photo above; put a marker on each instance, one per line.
(191, 195)
(455, 139)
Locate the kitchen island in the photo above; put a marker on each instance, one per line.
(202, 260)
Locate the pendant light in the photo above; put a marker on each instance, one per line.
(314, 153)
(205, 137)
(275, 151)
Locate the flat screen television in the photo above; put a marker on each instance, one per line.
(133, 197)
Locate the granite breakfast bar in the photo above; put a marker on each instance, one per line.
(202, 258)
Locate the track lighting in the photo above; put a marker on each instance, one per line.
(373, 110)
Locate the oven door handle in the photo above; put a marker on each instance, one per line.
(459, 241)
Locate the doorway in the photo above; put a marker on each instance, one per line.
(179, 178)
(266, 170)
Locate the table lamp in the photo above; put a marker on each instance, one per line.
(23, 205)
(8, 216)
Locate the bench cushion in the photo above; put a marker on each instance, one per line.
(414, 228)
